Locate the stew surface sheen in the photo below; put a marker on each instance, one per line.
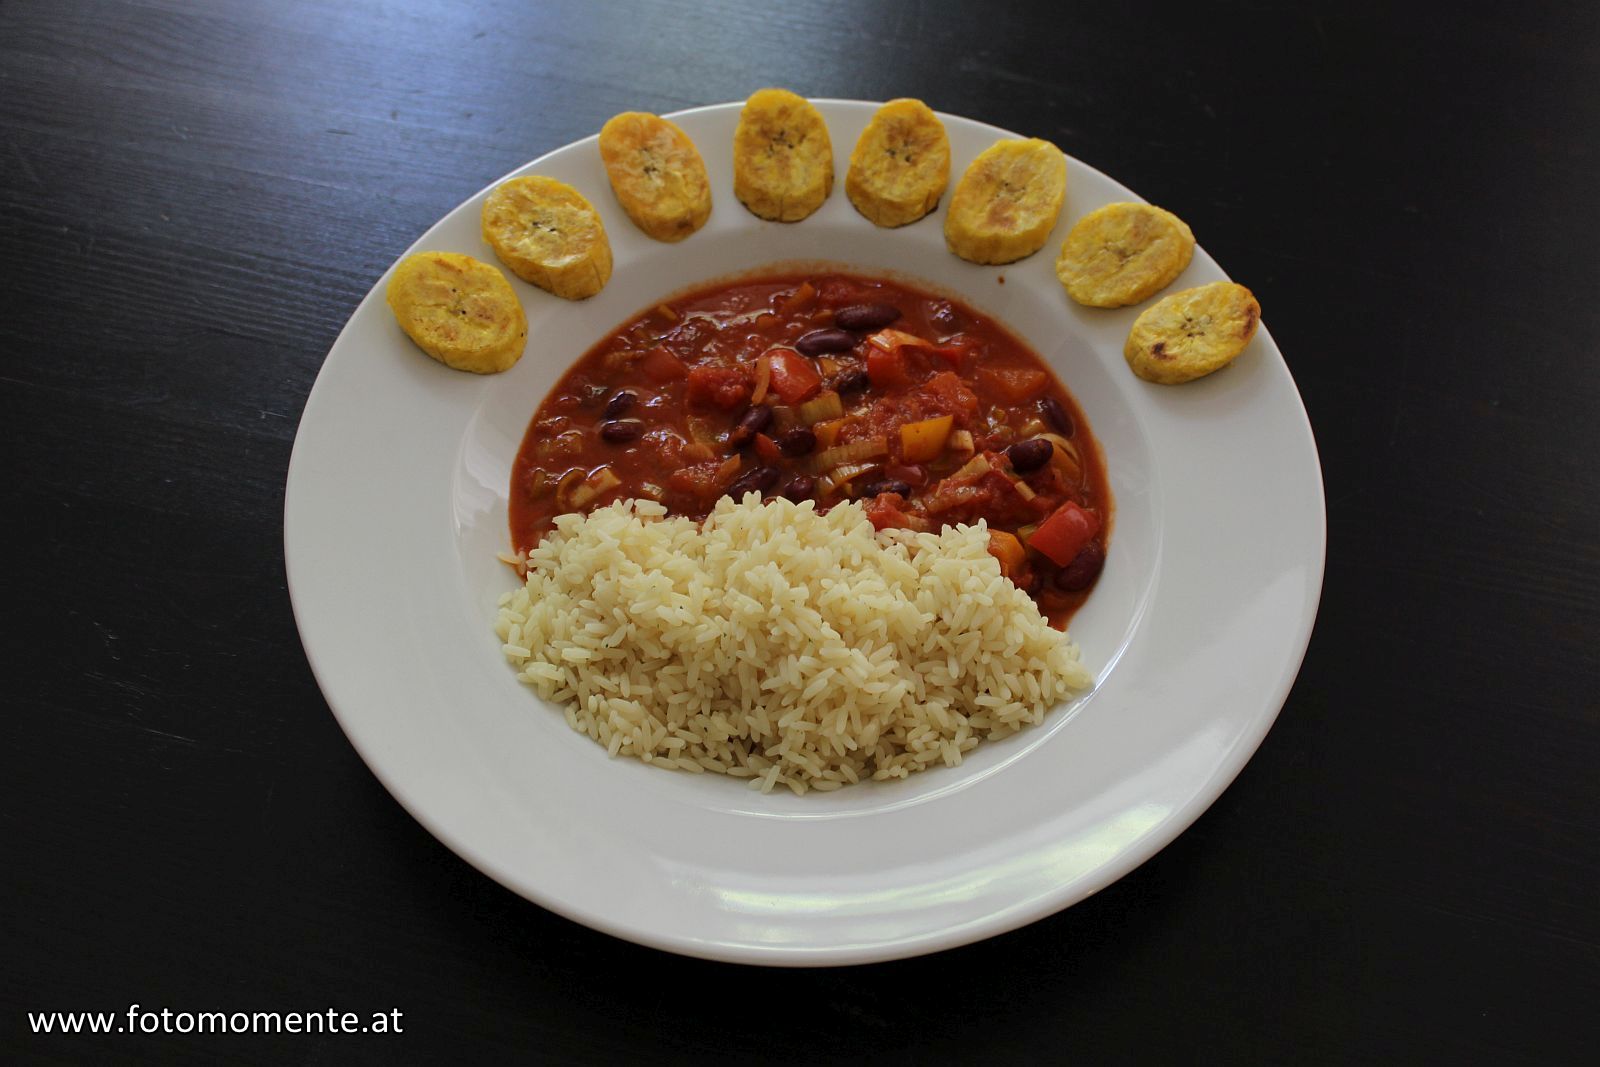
(828, 387)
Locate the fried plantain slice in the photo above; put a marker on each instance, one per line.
(1007, 202)
(459, 310)
(549, 235)
(657, 173)
(1122, 254)
(782, 158)
(900, 165)
(1192, 332)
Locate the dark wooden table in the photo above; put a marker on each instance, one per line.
(193, 198)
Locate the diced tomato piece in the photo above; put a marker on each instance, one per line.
(887, 367)
(1013, 384)
(794, 379)
(949, 395)
(723, 387)
(888, 511)
(700, 481)
(660, 366)
(1002, 505)
(1063, 535)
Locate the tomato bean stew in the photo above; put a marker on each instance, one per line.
(828, 387)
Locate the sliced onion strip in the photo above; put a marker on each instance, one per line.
(820, 408)
(763, 379)
(854, 452)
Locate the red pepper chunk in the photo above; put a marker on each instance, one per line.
(794, 379)
(1063, 535)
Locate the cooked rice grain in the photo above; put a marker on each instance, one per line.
(779, 645)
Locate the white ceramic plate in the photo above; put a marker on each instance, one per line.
(396, 507)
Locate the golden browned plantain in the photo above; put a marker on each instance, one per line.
(459, 310)
(657, 173)
(1121, 254)
(1007, 202)
(549, 235)
(1192, 332)
(782, 158)
(901, 164)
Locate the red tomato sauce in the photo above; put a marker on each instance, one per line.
(828, 387)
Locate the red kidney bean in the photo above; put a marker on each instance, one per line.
(886, 485)
(800, 487)
(862, 317)
(1029, 455)
(851, 381)
(797, 442)
(620, 401)
(819, 342)
(1056, 414)
(756, 480)
(621, 431)
(1083, 570)
(752, 422)
(912, 474)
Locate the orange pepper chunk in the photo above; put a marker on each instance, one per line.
(1009, 551)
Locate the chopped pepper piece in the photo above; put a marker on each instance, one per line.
(1009, 551)
(923, 442)
(794, 379)
(1062, 536)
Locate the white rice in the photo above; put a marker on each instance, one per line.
(779, 645)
